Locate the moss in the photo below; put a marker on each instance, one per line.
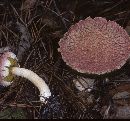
(13, 113)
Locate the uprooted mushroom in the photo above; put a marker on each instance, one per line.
(9, 67)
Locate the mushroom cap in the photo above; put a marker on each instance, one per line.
(95, 46)
(7, 59)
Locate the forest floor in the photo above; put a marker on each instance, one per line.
(32, 30)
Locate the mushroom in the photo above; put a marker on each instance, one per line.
(82, 83)
(10, 67)
(95, 46)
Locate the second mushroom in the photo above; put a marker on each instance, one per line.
(9, 67)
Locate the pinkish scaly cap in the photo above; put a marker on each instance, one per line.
(7, 59)
(95, 46)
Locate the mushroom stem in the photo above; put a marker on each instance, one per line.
(35, 79)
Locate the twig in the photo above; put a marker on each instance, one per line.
(22, 105)
(58, 11)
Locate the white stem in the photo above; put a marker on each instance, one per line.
(35, 79)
